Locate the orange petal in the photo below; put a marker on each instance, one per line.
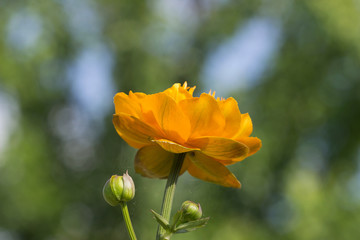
(253, 143)
(246, 126)
(210, 170)
(178, 92)
(154, 162)
(205, 116)
(220, 148)
(230, 110)
(137, 96)
(135, 132)
(190, 89)
(125, 104)
(168, 116)
(173, 147)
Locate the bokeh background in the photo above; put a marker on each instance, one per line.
(293, 65)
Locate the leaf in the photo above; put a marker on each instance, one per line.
(191, 226)
(161, 220)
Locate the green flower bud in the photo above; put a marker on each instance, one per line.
(190, 211)
(119, 189)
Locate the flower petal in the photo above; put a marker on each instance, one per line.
(131, 104)
(178, 92)
(137, 96)
(126, 104)
(168, 116)
(253, 143)
(205, 116)
(230, 110)
(173, 147)
(208, 169)
(246, 126)
(220, 148)
(136, 133)
(154, 162)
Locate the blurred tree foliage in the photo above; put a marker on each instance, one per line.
(56, 151)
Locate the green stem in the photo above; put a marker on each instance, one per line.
(170, 190)
(127, 219)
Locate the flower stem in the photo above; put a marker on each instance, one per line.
(127, 219)
(170, 190)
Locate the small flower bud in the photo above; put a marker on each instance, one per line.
(190, 211)
(119, 189)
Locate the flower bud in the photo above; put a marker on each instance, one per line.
(190, 211)
(119, 189)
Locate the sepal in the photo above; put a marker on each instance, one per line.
(191, 226)
(161, 220)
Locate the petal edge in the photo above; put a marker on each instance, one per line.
(220, 148)
(210, 170)
(172, 146)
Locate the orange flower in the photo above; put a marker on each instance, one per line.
(212, 132)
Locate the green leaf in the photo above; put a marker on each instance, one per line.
(161, 220)
(191, 226)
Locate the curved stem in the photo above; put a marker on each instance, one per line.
(127, 219)
(170, 190)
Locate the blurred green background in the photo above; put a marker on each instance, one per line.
(293, 65)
